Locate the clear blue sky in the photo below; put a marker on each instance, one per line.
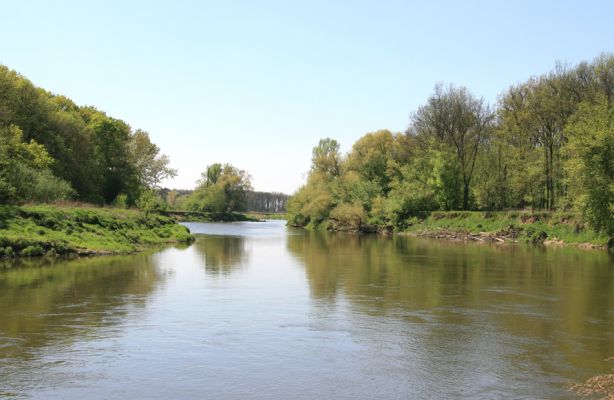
(258, 83)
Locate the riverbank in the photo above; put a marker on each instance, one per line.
(37, 230)
(197, 216)
(540, 228)
(537, 228)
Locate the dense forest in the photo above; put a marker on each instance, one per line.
(548, 144)
(52, 149)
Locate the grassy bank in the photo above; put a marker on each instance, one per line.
(53, 230)
(509, 226)
(197, 216)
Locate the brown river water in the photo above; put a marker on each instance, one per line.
(261, 311)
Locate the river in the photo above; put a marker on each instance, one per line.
(261, 311)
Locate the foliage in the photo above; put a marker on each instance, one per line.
(121, 201)
(222, 189)
(266, 202)
(376, 157)
(24, 170)
(98, 156)
(348, 217)
(456, 122)
(326, 158)
(546, 146)
(147, 201)
(591, 163)
(151, 166)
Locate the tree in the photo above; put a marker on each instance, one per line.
(377, 156)
(326, 158)
(147, 201)
(454, 120)
(223, 188)
(97, 155)
(151, 166)
(211, 175)
(24, 170)
(591, 163)
(112, 148)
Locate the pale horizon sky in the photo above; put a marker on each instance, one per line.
(258, 83)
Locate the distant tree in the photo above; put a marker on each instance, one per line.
(223, 188)
(211, 175)
(268, 202)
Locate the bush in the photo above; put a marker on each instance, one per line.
(147, 202)
(347, 217)
(32, 251)
(121, 201)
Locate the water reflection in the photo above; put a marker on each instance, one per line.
(314, 316)
(546, 310)
(404, 271)
(47, 302)
(221, 255)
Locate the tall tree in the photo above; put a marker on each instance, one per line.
(377, 157)
(152, 167)
(326, 158)
(454, 120)
(591, 162)
(112, 148)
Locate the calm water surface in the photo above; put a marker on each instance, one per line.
(257, 311)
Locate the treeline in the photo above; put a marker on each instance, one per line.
(53, 149)
(223, 189)
(267, 202)
(548, 144)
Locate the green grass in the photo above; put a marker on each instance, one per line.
(562, 227)
(198, 216)
(36, 230)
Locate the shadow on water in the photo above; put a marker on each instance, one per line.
(221, 255)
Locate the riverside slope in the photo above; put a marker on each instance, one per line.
(36, 230)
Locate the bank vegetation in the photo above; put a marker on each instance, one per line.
(546, 149)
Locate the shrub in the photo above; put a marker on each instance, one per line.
(121, 201)
(347, 217)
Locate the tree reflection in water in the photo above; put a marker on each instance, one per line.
(471, 296)
(221, 255)
(46, 302)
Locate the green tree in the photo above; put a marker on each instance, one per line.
(591, 163)
(377, 156)
(326, 158)
(24, 170)
(148, 201)
(455, 121)
(151, 166)
(112, 140)
(223, 188)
